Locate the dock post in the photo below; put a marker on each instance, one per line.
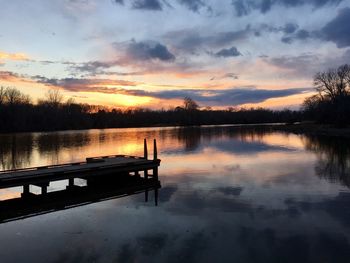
(155, 157)
(155, 173)
(145, 152)
(44, 189)
(26, 191)
(71, 182)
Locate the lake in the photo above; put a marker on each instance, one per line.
(229, 194)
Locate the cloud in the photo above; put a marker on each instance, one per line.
(154, 5)
(290, 28)
(193, 5)
(338, 30)
(231, 52)
(149, 50)
(9, 76)
(86, 85)
(245, 7)
(233, 96)
(298, 35)
(191, 40)
(224, 76)
(307, 64)
(14, 56)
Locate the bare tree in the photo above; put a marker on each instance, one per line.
(2, 95)
(13, 96)
(54, 97)
(333, 83)
(190, 104)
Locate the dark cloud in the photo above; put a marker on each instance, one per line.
(85, 85)
(233, 96)
(93, 66)
(304, 65)
(12, 76)
(224, 76)
(191, 41)
(157, 5)
(298, 35)
(230, 52)
(290, 28)
(245, 7)
(147, 5)
(193, 5)
(338, 30)
(149, 51)
(308, 64)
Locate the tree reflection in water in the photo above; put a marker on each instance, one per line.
(333, 158)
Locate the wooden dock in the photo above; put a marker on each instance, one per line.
(94, 170)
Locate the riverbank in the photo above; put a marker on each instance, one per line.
(312, 129)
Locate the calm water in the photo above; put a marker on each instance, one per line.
(228, 195)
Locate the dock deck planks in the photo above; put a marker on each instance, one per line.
(93, 166)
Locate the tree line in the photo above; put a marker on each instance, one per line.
(18, 113)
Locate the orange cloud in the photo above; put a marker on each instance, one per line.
(13, 56)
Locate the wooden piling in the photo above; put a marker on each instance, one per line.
(145, 152)
(26, 190)
(44, 189)
(71, 181)
(155, 154)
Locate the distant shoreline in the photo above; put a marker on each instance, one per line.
(312, 129)
(296, 128)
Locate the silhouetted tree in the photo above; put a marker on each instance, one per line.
(332, 103)
(2, 95)
(332, 83)
(54, 98)
(190, 104)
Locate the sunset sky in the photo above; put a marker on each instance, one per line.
(153, 53)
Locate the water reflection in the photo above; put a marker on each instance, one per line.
(228, 194)
(333, 158)
(15, 150)
(108, 187)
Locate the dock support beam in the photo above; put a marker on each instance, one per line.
(71, 182)
(145, 152)
(155, 173)
(26, 190)
(155, 153)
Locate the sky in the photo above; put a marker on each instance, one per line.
(153, 53)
